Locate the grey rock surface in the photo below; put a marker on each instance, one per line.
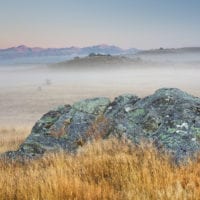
(170, 118)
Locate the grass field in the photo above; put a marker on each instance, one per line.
(109, 169)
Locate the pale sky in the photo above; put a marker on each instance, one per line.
(127, 23)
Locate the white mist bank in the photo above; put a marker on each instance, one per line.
(143, 77)
(27, 92)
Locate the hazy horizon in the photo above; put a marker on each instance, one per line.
(99, 44)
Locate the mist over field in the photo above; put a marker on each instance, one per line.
(28, 91)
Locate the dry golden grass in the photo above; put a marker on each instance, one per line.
(11, 138)
(108, 169)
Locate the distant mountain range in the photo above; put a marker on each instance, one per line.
(28, 55)
(24, 54)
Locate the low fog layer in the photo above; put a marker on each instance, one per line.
(28, 91)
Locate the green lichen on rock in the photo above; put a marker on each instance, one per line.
(163, 136)
(196, 131)
(198, 135)
(94, 106)
(171, 130)
(136, 113)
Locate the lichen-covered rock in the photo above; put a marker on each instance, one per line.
(170, 118)
(63, 128)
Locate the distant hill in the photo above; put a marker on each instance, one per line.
(24, 54)
(170, 51)
(98, 60)
(186, 55)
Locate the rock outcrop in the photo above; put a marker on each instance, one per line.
(170, 118)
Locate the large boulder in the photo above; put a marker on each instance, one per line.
(170, 118)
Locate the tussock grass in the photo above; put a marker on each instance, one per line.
(12, 137)
(109, 169)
